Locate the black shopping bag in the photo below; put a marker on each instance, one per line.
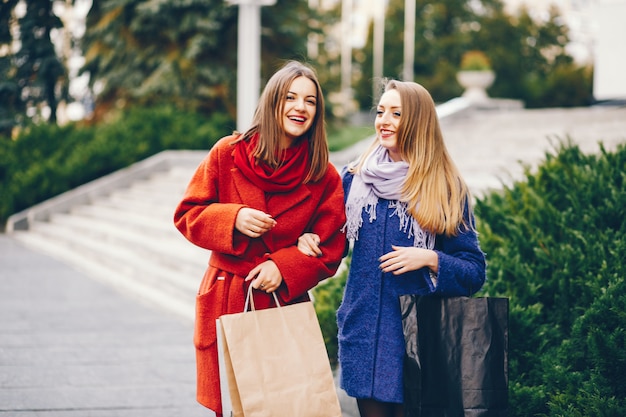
(456, 362)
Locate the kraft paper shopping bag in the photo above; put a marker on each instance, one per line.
(231, 404)
(279, 363)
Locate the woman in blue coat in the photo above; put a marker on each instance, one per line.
(410, 219)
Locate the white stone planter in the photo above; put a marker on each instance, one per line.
(476, 84)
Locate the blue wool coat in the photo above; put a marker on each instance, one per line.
(371, 341)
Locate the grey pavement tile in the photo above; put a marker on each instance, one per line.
(71, 346)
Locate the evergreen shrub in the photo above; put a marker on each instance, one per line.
(556, 245)
(46, 160)
(567, 85)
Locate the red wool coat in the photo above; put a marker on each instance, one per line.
(206, 217)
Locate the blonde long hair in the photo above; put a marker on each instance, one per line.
(433, 180)
(267, 121)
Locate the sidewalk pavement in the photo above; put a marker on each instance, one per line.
(71, 346)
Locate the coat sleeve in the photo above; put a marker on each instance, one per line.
(301, 272)
(201, 217)
(462, 266)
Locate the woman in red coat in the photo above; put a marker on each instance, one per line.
(250, 200)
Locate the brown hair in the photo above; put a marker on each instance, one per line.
(433, 180)
(267, 121)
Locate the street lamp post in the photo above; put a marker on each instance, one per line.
(346, 50)
(248, 58)
(378, 49)
(409, 39)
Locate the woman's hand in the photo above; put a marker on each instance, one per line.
(404, 259)
(309, 244)
(266, 276)
(253, 223)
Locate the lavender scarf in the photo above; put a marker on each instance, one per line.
(381, 177)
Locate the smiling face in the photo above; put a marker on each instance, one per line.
(299, 109)
(388, 114)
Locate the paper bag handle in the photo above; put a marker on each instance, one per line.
(250, 300)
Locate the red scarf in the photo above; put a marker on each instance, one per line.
(285, 178)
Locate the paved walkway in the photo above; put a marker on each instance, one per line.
(489, 147)
(71, 346)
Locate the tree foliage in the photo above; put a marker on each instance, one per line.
(528, 56)
(33, 76)
(184, 52)
(10, 104)
(531, 61)
(145, 52)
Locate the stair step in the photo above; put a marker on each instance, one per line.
(132, 220)
(120, 230)
(137, 203)
(168, 249)
(181, 303)
(128, 260)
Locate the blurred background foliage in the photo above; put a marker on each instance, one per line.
(526, 55)
(142, 52)
(144, 56)
(183, 53)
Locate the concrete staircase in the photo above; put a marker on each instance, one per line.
(125, 235)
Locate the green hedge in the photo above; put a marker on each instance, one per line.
(556, 245)
(46, 160)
